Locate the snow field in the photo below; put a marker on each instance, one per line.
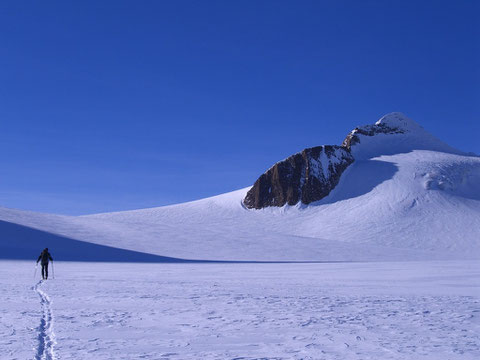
(398, 310)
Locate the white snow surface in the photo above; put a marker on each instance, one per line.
(350, 311)
(416, 198)
(411, 136)
(400, 121)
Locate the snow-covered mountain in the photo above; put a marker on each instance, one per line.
(402, 194)
(313, 173)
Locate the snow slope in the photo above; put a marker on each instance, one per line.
(407, 196)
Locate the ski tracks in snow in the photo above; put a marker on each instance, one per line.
(46, 335)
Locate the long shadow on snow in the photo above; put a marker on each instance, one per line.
(19, 242)
(359, 179)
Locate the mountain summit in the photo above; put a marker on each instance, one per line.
(394, 133)
(398, 120)
(311, 174)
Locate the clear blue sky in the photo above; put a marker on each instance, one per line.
(113, 105)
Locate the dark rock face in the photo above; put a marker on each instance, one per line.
(307, 176)
(368, 130)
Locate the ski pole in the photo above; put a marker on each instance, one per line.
(53, 270)
(35, 273)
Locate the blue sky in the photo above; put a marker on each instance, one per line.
(113, 105)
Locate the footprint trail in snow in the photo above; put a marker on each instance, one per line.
(46, 335)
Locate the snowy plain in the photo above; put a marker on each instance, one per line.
(393, 310)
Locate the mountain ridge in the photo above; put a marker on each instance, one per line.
(305, 178)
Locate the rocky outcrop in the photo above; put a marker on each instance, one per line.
(307, 176)
(369, 130)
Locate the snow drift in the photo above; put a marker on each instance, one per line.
(406, 196)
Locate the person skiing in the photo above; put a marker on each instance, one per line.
(45, 257)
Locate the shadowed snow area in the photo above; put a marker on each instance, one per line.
(407, 196)
(22, 243)
(361, 178)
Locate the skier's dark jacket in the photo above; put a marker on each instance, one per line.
(44, 256)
